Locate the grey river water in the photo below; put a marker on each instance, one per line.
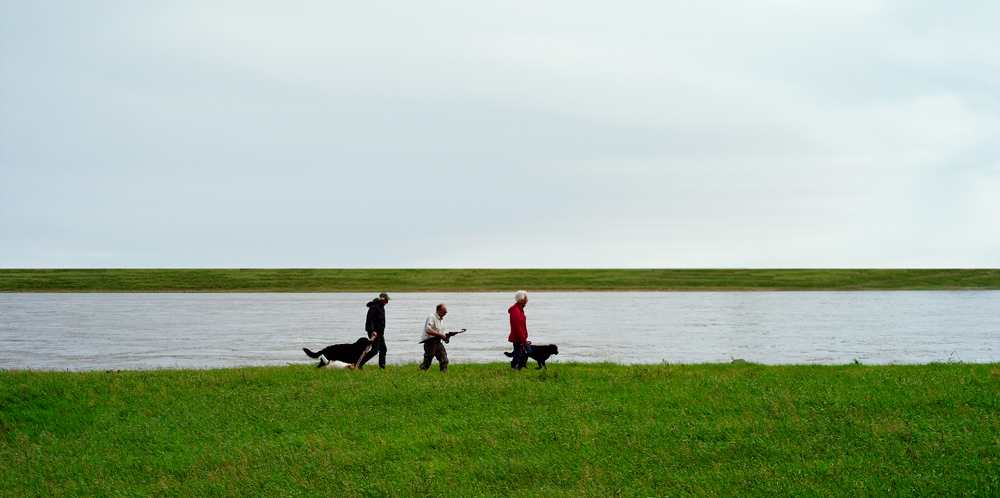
(143, 331)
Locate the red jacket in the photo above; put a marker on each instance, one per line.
(518, 324)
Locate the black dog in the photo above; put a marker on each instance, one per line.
(347, 353)
(538, 353)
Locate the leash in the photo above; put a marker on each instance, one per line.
(363, 353)
(362, 356)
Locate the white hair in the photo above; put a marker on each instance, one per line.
(520, 296)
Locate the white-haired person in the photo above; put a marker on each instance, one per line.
(519, 330)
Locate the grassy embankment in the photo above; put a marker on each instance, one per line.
(481, 430)
(478, 280)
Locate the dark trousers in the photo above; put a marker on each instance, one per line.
(378, 347)
(435, 349)
(520, 357)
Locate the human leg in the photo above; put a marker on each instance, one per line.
(428, 355)
(381, 350)
(442, 357)
(515, 361)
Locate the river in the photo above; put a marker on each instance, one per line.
(146, 331)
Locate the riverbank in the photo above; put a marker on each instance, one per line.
(483, 280)
(570, 430)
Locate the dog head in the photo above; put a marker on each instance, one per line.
(555, 349)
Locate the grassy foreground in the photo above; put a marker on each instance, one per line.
(479, 280)
(481, 430)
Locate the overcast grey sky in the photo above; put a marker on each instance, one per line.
(494, 135)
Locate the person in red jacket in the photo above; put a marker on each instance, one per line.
(519, 330)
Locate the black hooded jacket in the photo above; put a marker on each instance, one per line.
(376, 317)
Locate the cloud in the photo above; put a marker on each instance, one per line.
(396, 134)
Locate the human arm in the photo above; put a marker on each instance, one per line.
(370, 321)
(518, 326)
(437, 334)
(375, 319)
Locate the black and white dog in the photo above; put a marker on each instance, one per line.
(347, 353)
(538, 353)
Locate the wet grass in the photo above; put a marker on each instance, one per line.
(479, 280)
(481, 430)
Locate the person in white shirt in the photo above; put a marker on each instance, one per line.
(433, 338)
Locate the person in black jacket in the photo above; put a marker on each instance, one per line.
(376, 323)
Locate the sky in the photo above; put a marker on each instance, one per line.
(531, 134)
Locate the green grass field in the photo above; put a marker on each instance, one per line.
(482, 430)
(479, 280)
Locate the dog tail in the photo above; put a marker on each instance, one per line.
(508, 354)
(310, 353)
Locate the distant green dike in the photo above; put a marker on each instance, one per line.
(484, 280)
